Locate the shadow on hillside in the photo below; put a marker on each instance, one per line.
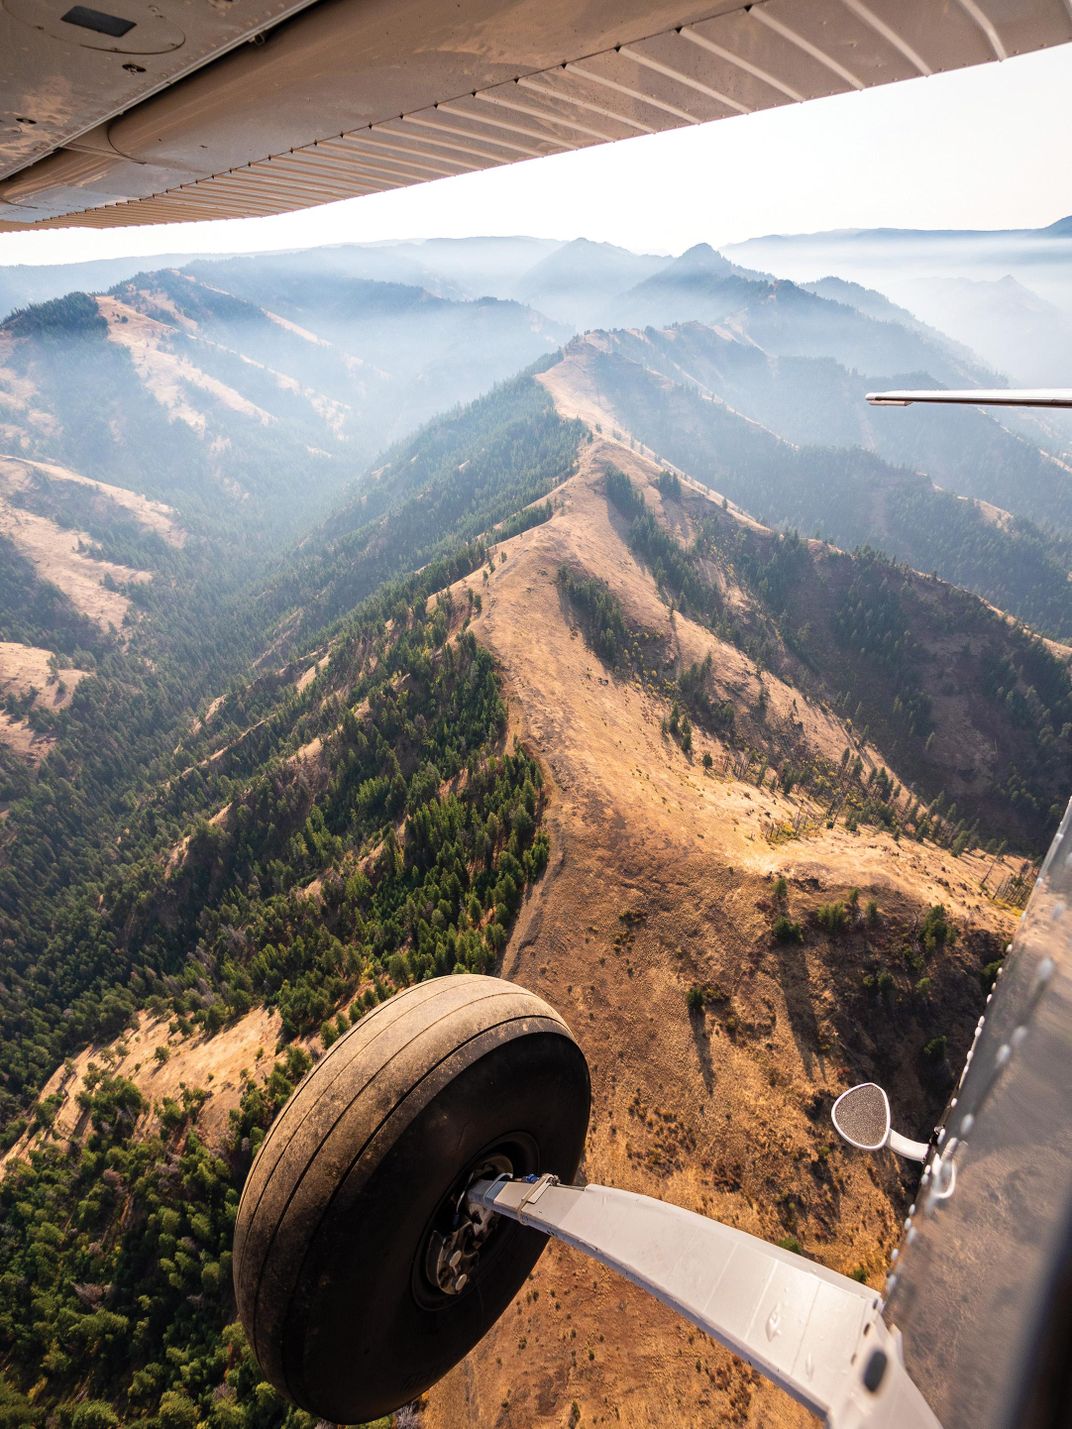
(702, 1041)
(795, 983)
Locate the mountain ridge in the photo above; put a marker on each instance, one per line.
(662, 875)
(517, 694)
(1060, 228)
(722, 411)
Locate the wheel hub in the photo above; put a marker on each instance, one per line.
(453, 1255)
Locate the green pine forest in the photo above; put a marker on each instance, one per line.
(400, 849)
(287, 782)
(858, 633)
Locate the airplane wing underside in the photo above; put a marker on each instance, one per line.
(152, 111)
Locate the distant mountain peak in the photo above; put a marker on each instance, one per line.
(702, 255)
(594, 245)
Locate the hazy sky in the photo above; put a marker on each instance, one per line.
(979, 148)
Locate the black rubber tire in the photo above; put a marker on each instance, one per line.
(334, 1221)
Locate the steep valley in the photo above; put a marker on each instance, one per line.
(661, 880)
(716, 1035)
(790, 441)
(554, 689)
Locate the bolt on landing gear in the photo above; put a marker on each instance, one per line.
(409, 1185)
(453, 1254)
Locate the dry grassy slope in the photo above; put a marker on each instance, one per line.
(165, 374)
(171, 377)
(24, 670)
(62, 556)
(154, 516)
(660, 879)
(58, 556)
(19, 399)
(211, 1064)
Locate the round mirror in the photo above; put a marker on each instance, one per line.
(862, 1116)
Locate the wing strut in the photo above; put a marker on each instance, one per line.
(981, 397)
(817, 1334)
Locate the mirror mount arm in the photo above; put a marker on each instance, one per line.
(911, 1150)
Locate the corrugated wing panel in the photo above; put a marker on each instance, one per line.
(733, 62)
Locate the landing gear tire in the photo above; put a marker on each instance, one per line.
(359, 1275)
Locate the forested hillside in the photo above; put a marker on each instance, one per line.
(119, 746)
(818, 401)
(325, 834)
(703, 403)
(116, 394)
(335, 654)
(398, 846)
(457, 478)
(890, 650)
(162, 442)
(244, 415)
